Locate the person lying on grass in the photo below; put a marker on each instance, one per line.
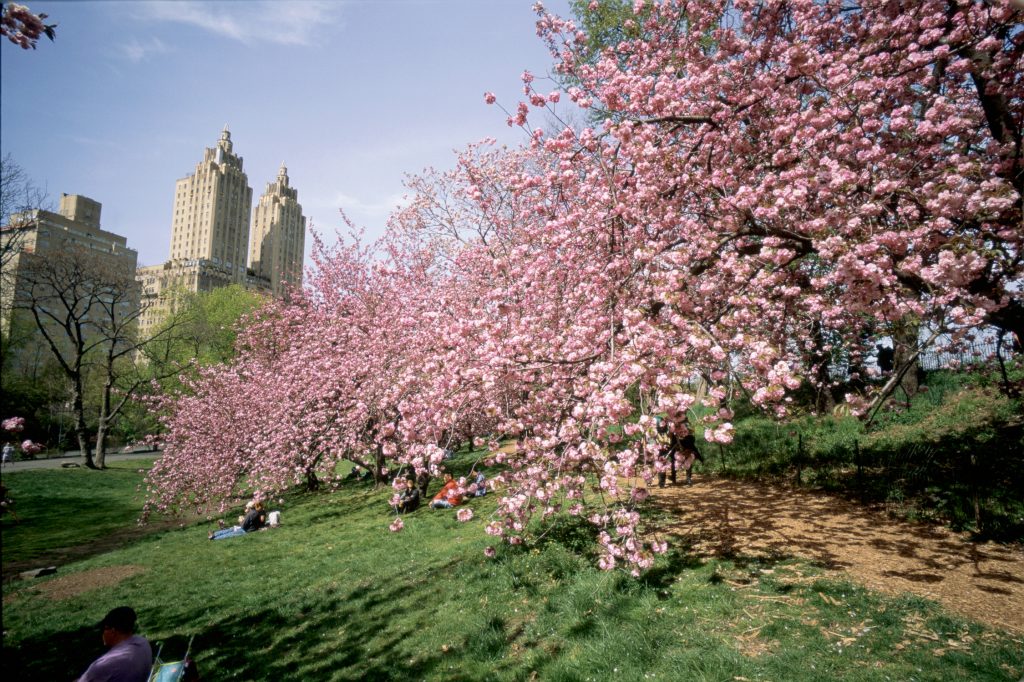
(253, 520)
(448, 496)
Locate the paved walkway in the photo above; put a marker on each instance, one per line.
(73, 458)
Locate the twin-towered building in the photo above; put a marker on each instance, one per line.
(213, 241)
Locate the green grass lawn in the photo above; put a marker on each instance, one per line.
(332, 595)
(64, 508)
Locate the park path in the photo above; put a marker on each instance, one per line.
(730, 518)
(71, 458)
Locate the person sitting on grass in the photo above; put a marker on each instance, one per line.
(253, 520)
(130, 657)
(448, 496)
(408, 499)
(478, 488)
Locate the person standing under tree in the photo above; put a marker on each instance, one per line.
(688, 454)
(668, 446)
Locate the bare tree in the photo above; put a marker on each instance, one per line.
(85, 307)
(19, 198)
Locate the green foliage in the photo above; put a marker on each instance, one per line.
(202, 330)
(207, 324)
(331, 595)
(31, 384)
(607, 25)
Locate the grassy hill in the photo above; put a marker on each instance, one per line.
(332, 595)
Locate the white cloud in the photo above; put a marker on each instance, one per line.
(376, 208)
(283, 23)
(137, 51)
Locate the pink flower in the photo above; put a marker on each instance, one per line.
(14, 424)
(490, 98)
(397, 525)
(489, 552)
(31, 448)
(464, 515)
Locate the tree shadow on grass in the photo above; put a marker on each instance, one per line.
(675, 562)
(342, 634)
(58, 656)
(120, 536)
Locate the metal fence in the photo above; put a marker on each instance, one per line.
(979, 352)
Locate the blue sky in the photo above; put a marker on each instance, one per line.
(351, 95)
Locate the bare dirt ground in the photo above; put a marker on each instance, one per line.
(729, 518)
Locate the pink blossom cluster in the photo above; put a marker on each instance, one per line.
(766, 182)
(30, 448)
(23, 27)
(13, 424)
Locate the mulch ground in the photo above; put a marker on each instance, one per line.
(729, 518)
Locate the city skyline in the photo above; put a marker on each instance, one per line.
(218, 239)
(350, 96)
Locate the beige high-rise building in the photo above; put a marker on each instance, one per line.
(278, 235)
(211, 212)
(40, 233)
(210, 235)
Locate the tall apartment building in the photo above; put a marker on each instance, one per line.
(210, 235)
(40, 233)
(211, 212)
(278, 235)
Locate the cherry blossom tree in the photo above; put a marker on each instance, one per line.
(765, 185)
(22, 26)
(333, 374)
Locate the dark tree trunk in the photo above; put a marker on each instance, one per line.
(101, 431)
(81, 431)
(824, 403)
(378, 465)
(312, 482)
(905, 344)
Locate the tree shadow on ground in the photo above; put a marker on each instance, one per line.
(343, 634)
(730, 518)
(61, 556)
(58, 656)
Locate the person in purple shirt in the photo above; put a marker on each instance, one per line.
(130, 658)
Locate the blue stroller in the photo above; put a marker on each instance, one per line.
(174, 671)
